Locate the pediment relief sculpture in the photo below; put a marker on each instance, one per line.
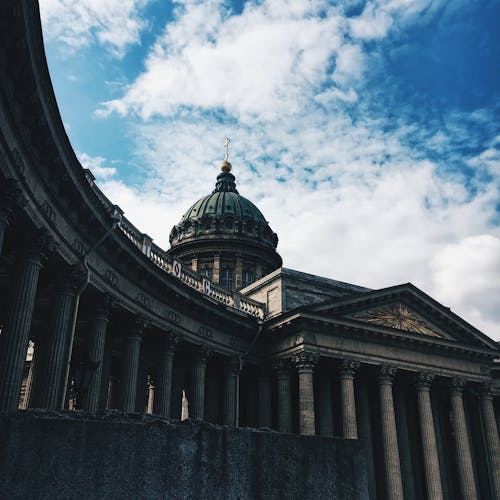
(397, 316)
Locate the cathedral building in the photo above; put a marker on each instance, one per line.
(216, 324)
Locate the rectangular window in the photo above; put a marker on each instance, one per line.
(247, 278)
(206, 273)
(226, 279)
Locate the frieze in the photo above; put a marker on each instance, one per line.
(111, 278)
(235, 343)
(174, 318)
(19, 162)
(205, 332)
(144, 301)
(49, 211)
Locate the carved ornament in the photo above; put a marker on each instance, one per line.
(397, 316)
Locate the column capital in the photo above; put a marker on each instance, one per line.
(10, 198)
(105, 307)
(170, 341)
(233, 365)
(349, 368)
(423, 381)
(281, 367)
(456, 385)
(136, 327)
(39, 246)
(70, 279)
(386, 374)
(305, 361)
(202, 354)
(485, 391)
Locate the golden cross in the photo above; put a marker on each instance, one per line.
(226, 145)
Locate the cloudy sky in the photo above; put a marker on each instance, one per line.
(367, 132)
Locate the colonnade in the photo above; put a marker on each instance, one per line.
(288, 396)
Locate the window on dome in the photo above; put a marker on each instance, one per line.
(226, 278)
(247, 278)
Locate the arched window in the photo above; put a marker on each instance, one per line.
(226, 278)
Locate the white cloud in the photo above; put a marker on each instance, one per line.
(467, 274)
(77, 23)
(96, 166)
(259, 63)
(371, 24)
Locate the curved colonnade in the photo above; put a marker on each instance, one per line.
(78, 279)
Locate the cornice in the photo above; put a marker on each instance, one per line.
(374, 333)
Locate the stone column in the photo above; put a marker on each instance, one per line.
(305, 362)
(231, 374)
(491, 436)
(349, 424)
(51, 378)
(429, 447)
(216, 269)
(389, 434)
(15, 333)
(405, 456)
(199, 367)
(238, 271)
(324, 393)
(264, 406)
(10, 197)
(95, 356)
(130, 365)
(365, 433)
(462, 445)
(163, 388)
(282, 369)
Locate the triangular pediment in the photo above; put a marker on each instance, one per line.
(404, 309)
(399, 316)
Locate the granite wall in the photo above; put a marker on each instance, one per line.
(68, 455)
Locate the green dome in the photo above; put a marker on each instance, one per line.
(224, 200)
(223, 213)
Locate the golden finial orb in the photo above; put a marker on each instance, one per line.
(226, 166)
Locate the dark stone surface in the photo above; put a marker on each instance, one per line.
(48, 454)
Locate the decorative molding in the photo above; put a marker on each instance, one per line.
(205, 332)
(145, 301)
(349, 368)
(423, 381)
(49, 211)
(386, 374)
(112, 278)
(202, 354)
(170, 342)
(174, 318)
(457, 385)
(282, 367)
(305, 361)
(397, 316)
(233, 366)
(486, 390)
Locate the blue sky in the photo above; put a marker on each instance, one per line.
(368, 132)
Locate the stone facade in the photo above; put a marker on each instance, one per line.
(115, 322)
